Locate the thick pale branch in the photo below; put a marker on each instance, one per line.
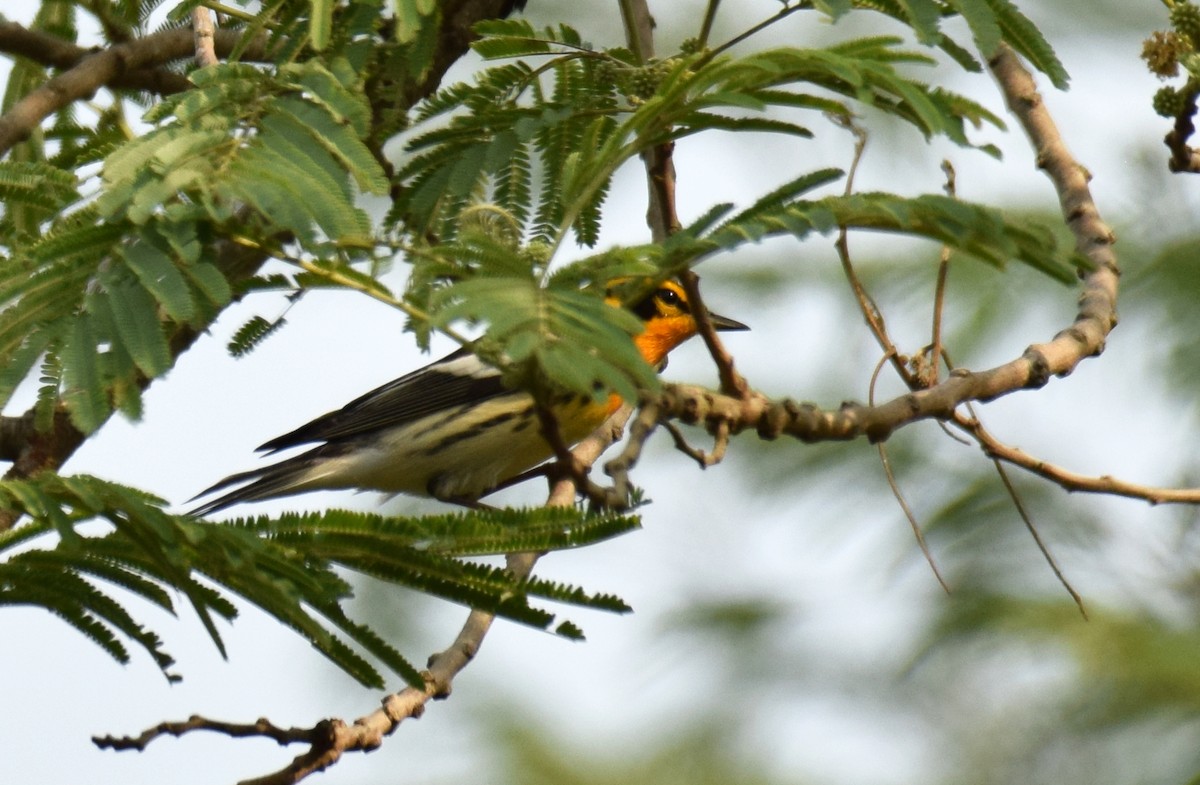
(1098, 301)
(203, 36)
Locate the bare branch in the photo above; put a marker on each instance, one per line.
(261, 727)
(866, 304)
(1072, 481)
(886, 462)
(720, 444)
(927, 374)
(732, 382)
(1037, 536)
(1098, 302)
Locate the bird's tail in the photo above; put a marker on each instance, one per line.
(281, 479)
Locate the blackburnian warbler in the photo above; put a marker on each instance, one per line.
(450, 430)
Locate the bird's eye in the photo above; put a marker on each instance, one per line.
(669, 297)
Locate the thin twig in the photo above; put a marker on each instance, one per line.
(1037, 536)
(866, 304)
(929, 376)
(732, 382)
(1073, 481)
(710, 16)
(974, 426)
(260, 728)
(720, 444)
(787, 11)
(886, 462)
(875, 322)
(618, 468)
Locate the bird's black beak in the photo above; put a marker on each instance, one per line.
(725, 324)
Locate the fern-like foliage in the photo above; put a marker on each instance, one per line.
(109, 262)
(572, 121)
(287, 566)
(600, 110)
(251, 153)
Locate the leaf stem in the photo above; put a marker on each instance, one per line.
(710, 16)
(378, 291)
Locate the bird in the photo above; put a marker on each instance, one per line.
(451, 430)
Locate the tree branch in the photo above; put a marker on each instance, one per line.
(1059, 356)
(131, 65)
(203, 37)
(1072, 481)
(1184, 158)
(1098, 301)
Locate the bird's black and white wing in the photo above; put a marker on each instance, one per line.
(456, 380)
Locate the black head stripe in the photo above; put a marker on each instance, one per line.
(646, 309)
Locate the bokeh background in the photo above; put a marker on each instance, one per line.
(786, 628)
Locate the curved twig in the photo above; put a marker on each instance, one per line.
(1073, 481)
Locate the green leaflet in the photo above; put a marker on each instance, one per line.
(983, 23)
(137, 325)
(983, 232)
(284, 566)
(924, 15)
(1024, 36)
(320, 26)
(157, 272)
(577, 341)
(251, 334)
(584, 122)
(35, 185)
(84, 394)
